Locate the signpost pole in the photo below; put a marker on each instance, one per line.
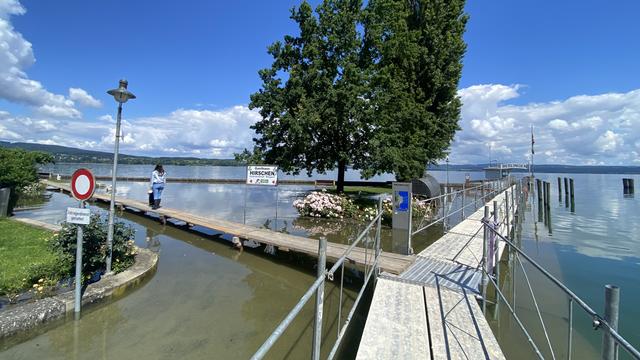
(244, 207)
(277, 198)
(78, 290)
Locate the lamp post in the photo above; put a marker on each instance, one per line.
(121, 95)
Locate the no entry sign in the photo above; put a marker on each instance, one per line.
(83, 184)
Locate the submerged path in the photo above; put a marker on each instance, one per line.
(389, 262)
(430, 310)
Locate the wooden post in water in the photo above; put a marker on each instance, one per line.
(559, 189)
(573, 204)
(548, 191)
(566, 193)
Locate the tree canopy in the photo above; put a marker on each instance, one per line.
(372, 87)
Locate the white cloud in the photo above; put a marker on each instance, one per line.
(184, 132)
(584, 129)
(82, 97)
(16, 55)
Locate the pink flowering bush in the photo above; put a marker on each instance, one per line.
(325, 205)
(320, 204)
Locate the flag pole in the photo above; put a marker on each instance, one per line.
(532, 153)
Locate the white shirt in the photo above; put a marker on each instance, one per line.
(157, 178)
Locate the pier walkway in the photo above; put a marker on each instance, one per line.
(430, 310)
(389, 262)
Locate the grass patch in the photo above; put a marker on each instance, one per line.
(363, 190)
(25, 257)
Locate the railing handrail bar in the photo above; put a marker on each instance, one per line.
(353, 310)
(448, 214)
(284, 324)
(353, 245)
(454, 192)
(619, 339)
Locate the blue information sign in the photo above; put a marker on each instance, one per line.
(402, 200)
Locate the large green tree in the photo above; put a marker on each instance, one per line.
(414, 50)
(311, 101)
(371, 87)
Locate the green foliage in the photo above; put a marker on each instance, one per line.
(414, 51)
(313, 119)
(371, 87)
(18, 170)
(95, 246)
(25, 258)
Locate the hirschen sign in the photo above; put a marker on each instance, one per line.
(262, 175)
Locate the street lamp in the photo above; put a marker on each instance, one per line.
(121, 95)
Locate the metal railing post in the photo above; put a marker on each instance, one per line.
(463, 199)
(570, 336)
(611, 307)
(317, 327)
(496, 239)
(378, 241)
(485, 249)
(507, 212)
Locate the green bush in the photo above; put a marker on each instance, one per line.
(95, 246)
(18, 170)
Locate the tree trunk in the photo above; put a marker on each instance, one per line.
(342, 165)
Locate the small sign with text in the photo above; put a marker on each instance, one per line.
(262, 175)
(78, 216)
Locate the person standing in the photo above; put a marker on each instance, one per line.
(158, 179)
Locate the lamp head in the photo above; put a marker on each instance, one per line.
(121, 94)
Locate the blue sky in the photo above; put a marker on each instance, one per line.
(567, 67)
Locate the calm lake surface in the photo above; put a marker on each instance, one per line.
(209, 301)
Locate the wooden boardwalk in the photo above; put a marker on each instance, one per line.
(389, 262)
(430, 310)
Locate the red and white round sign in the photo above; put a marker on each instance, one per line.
(83, 184)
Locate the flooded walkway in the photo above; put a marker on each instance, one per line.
(206, 300)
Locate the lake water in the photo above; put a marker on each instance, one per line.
(598, 244)
(209, 301)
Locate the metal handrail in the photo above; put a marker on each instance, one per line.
(601, 322)
(448, 215)
(320, 281)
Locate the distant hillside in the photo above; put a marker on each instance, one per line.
(550, 168)
(64, 154)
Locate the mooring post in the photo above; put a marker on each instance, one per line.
(566, 192)
(559, 189)
(317, 328)
(539, 190)
(631, 186)
(611, 307)
(485, 265)
(573, 204)
(548, 191)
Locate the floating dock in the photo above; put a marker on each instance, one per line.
(389, 262)
(430, 311)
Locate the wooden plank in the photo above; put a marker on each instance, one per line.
(396, 326)
(457, 327)
(391, 263)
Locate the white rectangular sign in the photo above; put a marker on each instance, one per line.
(78, 216)
(262, 175)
